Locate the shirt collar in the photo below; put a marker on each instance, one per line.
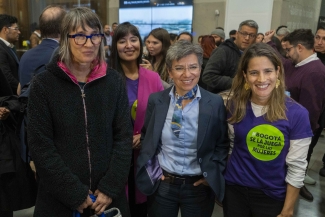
(39, 35)
(7, 43)
(307, 60)
(173, 97)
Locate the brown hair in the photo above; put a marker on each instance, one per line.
(276, 103)
(208, 45)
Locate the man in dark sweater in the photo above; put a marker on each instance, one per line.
(305, 80)
(320, 50)
(223, 62)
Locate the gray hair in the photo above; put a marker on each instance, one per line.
(75, 18)
(283, 32)
(182, 49)
(250, 23)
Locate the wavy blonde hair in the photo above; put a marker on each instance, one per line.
(276, 108)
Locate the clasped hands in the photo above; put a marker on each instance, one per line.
(101, 203)
(4, 113)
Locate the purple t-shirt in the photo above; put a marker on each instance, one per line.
(258, 159)
(132, 88)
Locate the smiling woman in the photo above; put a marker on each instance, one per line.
(126, 57)
(264, 132)
(184, 115)
(80, 130)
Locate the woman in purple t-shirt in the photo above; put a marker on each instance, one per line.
(270, 134)
(126, 56)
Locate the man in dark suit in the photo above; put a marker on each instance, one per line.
(184, 141)
(9, 62)
(50, 22)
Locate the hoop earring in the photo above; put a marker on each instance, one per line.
(246, 86)
(277, 83)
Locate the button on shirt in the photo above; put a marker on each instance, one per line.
(179, 155)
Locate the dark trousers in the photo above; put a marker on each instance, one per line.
(136, 210)
(6, 213)
(249, 202)
(192, 201)
(313, 143)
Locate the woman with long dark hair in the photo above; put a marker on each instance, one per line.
(140, 83)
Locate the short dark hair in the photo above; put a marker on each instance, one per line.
(304, 37)
(50, 21)
(7, 20)
(185, 33)
(219, 27)
(320, 27)
(114, 23)
(172, 36)
(233, 32)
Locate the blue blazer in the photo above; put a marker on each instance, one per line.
(212, 141)
(35, 57)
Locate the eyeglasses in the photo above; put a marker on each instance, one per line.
(81, 39)
(288, 49)
(245, 34)
(181, 69)
(14, 28)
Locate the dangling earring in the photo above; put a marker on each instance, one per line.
(277, 83)
(246, 86)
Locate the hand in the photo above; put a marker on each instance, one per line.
(136, 141)
(102, 201)
(146, 64)
(4, 113)
(283, 214)
(162, 178)
(88, 202)
(268, 36)
(201, 181)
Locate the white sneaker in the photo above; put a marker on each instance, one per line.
(309, 180)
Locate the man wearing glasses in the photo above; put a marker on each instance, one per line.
(9, 62)
(222, 65)
(305, 79)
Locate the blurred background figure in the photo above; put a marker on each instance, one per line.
(35, 38)
(259, 37)
(232, 34)
(157, 45)
(208, 45)
(173, 38)
(185, 36)
(140, 83)
(219, 36)
(199, 39)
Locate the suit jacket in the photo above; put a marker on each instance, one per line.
(9, 64)
(35, 57)
(149, 82)
(212, 141)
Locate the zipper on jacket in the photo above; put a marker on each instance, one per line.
(83, 95)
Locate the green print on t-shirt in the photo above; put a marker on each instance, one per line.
(265, 142)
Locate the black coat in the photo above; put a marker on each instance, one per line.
(9, 66)
(17, 183)
(78, 143)
(221, 67)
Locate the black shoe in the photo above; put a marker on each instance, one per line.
(322, 171)
(306, 194)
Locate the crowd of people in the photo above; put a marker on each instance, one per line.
(158, 126)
